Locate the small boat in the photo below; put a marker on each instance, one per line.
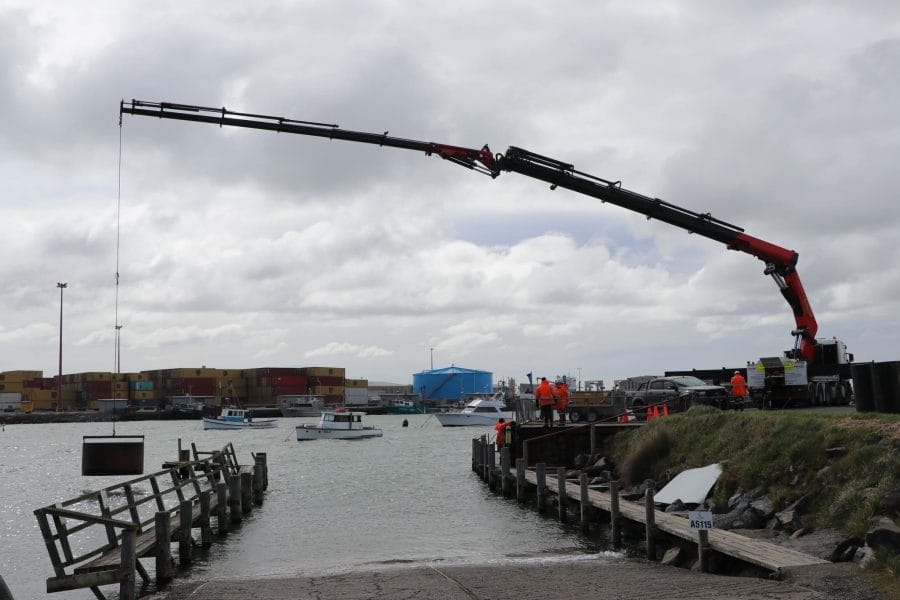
(405, 407)
(302, 406)
(480, 411)
(237, 418)
(337, 425)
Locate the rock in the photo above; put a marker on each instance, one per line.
(763, 507)
(885, 535)
(672, 556)
(573, 474)
(790, 517)
(642, 489)
(602, 462)
(864, 556)
(774, 524)
(676, 506)
(580, 461)
(823, 473)
(799, 533)
(845, 551)
(890, 502)
(749, 519)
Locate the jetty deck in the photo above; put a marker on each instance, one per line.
(764, 554)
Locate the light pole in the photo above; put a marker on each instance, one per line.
(432, 358)
(118, 349)
(61, 287)
(579, 378)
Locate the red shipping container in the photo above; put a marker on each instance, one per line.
(326, 380)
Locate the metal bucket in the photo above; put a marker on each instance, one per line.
(112, 455)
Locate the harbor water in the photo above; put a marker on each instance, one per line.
(408, 498)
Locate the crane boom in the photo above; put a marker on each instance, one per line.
(780, 262)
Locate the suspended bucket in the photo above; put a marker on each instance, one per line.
(112, 455)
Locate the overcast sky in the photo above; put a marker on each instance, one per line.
(242, 248)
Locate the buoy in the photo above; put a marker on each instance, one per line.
(405, 423)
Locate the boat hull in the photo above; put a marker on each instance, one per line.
(310, 432)
(210, 423)
(298, 411)
(471, 419)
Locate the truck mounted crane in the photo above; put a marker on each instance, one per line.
(780, 263)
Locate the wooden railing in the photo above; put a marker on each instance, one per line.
(97, 538)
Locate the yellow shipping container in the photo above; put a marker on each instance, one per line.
(324, 371)
(20, 376)
(136, 376)
(12, 386)
(356, 383)
(142, 395)
(328, 390)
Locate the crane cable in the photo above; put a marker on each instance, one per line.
(116, 354)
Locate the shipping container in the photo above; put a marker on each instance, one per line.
(20, 376)
(356, 396)
(324, 371)
(12, 386)
(9, 401)
(141, 385)
(356, 383)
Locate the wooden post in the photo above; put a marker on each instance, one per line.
(562, 495)
(222, 507)
(585, 504)
(520, 480)
(263, 459)
(474, 455)
(485, 466)
(505, 480)
(593, 439)
(259, 472)
(650, 518)
(541, 472)
(614, 516)
(491, 471)
(185, 541)
(234, 498)
(205, 514)
(703, 550)
(164, 568)
(128, 559)
(246, 492)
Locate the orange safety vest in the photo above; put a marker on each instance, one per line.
(544, 394)
(738, 385)
(562, 396)
(500, 428)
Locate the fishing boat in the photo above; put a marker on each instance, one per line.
(302, 406)
(402, 406)
(337, 425)
(237, 418)
(478, 411)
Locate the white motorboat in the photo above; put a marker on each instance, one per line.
(337, 425)
(237, 418)
(480, 411)
(302, 406)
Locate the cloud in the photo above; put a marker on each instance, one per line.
(346, 349)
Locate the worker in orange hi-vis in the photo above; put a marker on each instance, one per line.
(562, 400)
(500, 428)
(544, 396)
(738, 390)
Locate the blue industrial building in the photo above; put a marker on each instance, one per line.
(452, 383)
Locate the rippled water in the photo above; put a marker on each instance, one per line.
(332, 505)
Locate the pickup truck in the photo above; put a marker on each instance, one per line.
(679, 393)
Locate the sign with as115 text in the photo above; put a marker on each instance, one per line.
(700, 519)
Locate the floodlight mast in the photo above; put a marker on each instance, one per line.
(780, 262)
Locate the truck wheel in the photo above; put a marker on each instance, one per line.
(811, 394)
(574, 416)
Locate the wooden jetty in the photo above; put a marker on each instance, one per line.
(542, 482)
(99, 538)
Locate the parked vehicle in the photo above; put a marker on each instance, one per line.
(679, 393)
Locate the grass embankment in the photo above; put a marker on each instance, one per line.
(844, 464)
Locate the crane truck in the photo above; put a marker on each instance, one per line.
(780, 263)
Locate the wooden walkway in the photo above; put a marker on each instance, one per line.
(758, 552)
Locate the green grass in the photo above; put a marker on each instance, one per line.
(779, 454)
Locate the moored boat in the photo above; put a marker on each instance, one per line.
(338, 425)
(302, 406)
(237, 418)
(405, 407)
(480, 411)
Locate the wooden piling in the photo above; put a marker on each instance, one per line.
(505, 480)
(615, 517)
(703, 550)
(128, 559)
(262, 459)
(650, 522)
(205, 514)
(585, 504)
(474, 455)
(234, 498)
(593, 439)
(485, 466)
(222, 507)
(164, 568)
(246, 492)
(259, 468)
(185, 541)
(562, 496)
(540, 470)
(520, 480)
(492, 471)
